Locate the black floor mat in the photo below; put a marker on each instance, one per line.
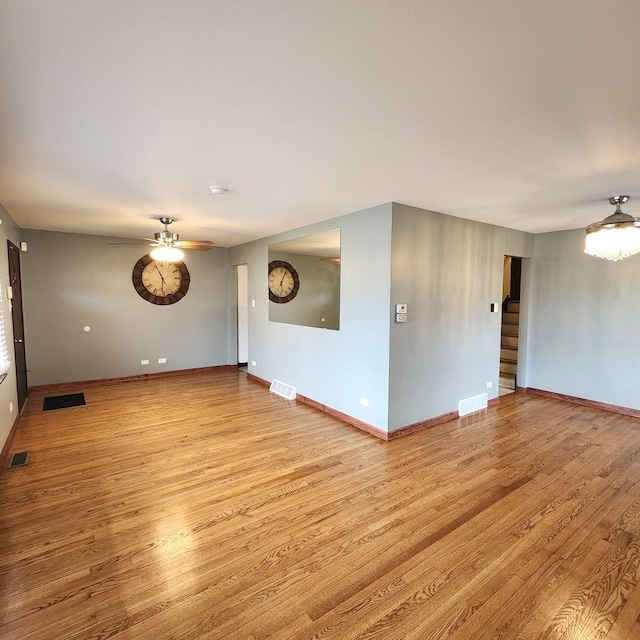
(63, 402)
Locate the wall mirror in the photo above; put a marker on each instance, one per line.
(304, 280)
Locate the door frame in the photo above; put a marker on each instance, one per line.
(17, 319)
(242, 315)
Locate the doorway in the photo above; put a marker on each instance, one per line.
(15, 282)
(510, 325)
(243, 316)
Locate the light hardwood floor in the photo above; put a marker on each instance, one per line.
(201, 506)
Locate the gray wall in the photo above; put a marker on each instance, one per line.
(318, 301)
(8, 231)
(584, 339)
(334, 368)
(577, 314)
(73, 280)
(449, 271)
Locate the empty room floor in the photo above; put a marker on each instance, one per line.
(202, 506)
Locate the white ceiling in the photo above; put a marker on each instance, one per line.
(115, 112)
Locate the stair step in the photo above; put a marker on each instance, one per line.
(510, 330)
(508, 381)
(510, 318)
(513, 305)
(508, 367)
(509, 355)
(509, 342)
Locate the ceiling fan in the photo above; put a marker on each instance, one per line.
(168, 245)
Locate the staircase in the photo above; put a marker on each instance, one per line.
(509, 344)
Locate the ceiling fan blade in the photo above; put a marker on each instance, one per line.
(207, 243)
(195, 248)
(135, 243)
(202, 245)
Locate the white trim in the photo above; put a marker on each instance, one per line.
(5, 363)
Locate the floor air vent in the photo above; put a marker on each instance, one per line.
(282, 389)
(474, 403)
(20, 459)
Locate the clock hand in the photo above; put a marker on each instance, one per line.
(160, 274)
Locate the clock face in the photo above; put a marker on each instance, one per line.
(283, 282)
(160, 282)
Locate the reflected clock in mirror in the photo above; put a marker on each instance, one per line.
(284, 282)
(306, 272)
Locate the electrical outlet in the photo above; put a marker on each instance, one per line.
(11, 407)
(162, 361)
(364, 402)
(144, 362)
(489, 384)
(253, 363)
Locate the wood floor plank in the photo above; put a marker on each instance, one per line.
(623, 624)
(235, 514)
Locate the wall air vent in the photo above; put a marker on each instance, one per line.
(282, 389)
(472, 404)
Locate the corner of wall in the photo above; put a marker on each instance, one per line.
(9, 230)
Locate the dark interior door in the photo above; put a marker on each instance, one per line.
(18, 324)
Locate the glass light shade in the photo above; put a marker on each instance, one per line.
(167, 254)
(614, 242)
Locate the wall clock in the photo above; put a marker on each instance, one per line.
(160, 282)
(283, 282)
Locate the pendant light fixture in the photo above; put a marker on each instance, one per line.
(616, 237)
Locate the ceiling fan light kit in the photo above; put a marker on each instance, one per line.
(166, 237)
(616, 237)
(168, 246)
